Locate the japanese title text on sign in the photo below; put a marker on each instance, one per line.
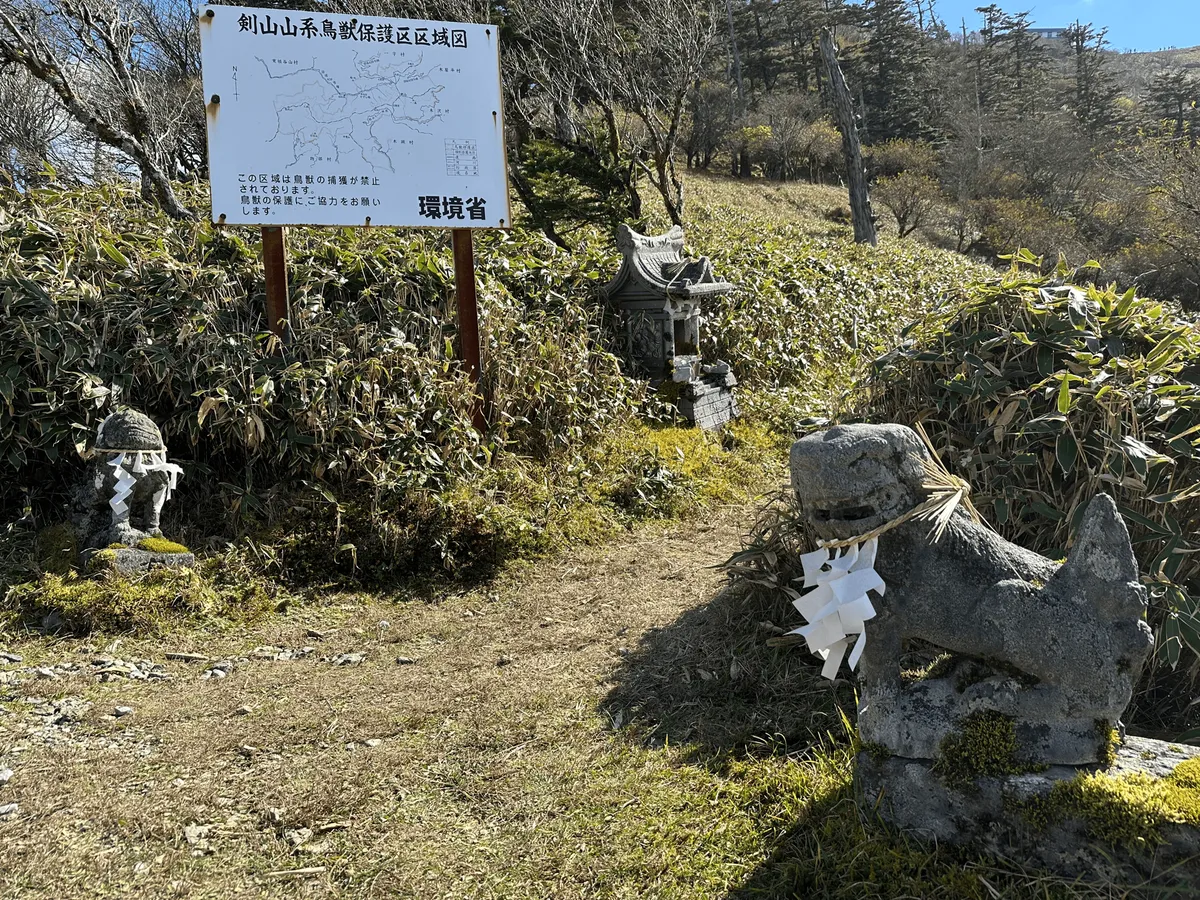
(354, 30)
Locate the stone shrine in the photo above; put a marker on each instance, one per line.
(659, 293)
(1010, 738)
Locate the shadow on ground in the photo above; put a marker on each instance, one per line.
(709, 684)
(709, 681)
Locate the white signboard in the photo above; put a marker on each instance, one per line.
(322, 119)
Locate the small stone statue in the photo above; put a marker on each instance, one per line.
(1055, 648)
(131, 481)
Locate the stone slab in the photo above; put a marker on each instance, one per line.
(708, 401)
(988, 817)
(131, 562)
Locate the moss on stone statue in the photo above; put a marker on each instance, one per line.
(161, 545)
(1127, 811)
(878, 752)
(103, 559)
(1110, 742)
(984, 746)
(151, 603)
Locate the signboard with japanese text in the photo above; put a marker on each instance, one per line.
(323, 119)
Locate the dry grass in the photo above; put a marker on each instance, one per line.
(609, 724)
(791, 201)
(498, 773)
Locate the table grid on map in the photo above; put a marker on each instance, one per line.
(462, 157)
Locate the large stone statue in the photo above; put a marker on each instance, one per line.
(1005, 744)
(1055, 648)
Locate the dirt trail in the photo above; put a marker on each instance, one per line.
(482, 764)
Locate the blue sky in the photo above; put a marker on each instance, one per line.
(1132, 24)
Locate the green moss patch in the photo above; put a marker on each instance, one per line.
(161, 545)
(1129, 811)
(878, 752)
(149, 604)
(984, 746)
(1110, 742)
(103, 559)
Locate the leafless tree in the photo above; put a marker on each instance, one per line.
(34, 130)
(169, 65)
(710, 109)
(637, 59)
(910, 197)
(87, 53)
(662, 49)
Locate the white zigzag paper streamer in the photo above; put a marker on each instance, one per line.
(142, 463)
(838, 606)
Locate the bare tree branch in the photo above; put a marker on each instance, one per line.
(81, 36)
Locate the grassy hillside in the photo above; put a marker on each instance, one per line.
(608, 722)
(362, 421)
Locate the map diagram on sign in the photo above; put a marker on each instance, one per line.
(382, 106)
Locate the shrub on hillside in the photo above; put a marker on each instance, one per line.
(808, 309)
(910, 197)
(106, 302)
(1042, 395)
(890, 159)
(1006, 225)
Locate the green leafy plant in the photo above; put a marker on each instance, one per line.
(1042, 394)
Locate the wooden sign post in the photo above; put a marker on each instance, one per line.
(275, 269)
(468, 314)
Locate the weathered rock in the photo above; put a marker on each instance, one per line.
(180, 656)
(1057, 649)
(220, 668)
(1016, 816)
(281, 654)
(131, 562)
